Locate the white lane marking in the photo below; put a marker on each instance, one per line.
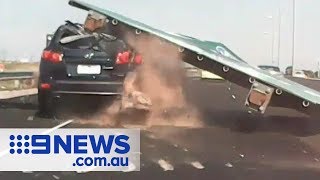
(197, 165)
(27, 172)
(57, 127)
(5, 152)
(166, 166)
(56, 177)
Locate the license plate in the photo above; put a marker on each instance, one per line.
(89, 69)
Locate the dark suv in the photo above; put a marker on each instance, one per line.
(75, 62)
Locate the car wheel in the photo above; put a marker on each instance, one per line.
(46, 105)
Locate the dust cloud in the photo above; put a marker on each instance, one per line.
(160, 78)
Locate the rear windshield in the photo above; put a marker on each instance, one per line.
(78, 44)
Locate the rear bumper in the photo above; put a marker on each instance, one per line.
(86, 87)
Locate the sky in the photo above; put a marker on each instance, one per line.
(245, 26)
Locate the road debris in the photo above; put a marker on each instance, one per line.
(151, 146)
(185, 149)
(304, 151)
(316, 159)
(229, 165)
(131, 167)
(166, 166)
(30, 118)
(151, 136)
(131, 98)
(135, 100)
(251, 169)
(197, 165)
(241, 155)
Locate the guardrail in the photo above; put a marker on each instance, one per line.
(17, 93)
(15, 75)
(15, 78)
(21, 81)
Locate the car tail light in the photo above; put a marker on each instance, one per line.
(45, 86)
(124, 58)
(51, 56)
(138, 59)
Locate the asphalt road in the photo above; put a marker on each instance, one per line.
(284, 146)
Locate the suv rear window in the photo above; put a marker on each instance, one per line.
(79, 44)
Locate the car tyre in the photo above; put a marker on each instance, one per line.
(46, 105)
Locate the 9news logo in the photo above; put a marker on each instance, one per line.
(19, 144)
(41, 144)
(74, 150)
